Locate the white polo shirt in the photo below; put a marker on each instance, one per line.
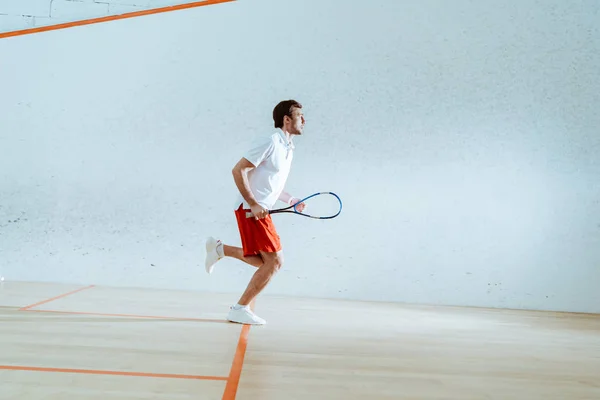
(272, 159)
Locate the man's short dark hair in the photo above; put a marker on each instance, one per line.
(282, 109)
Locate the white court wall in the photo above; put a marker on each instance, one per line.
(26, 14)
(463, 140)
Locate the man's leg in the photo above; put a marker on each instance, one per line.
(215, 250)
(238, 252)
(260, 279)
(241, 312)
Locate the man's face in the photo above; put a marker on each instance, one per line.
(295, 123)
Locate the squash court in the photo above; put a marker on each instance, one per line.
(461, 138)
(88, 342)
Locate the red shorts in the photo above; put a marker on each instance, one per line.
(257, 235)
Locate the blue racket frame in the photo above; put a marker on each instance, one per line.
(292, 209)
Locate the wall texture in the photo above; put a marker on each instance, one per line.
(463, 140)
(24, 14)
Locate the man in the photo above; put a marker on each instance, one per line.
(260, 177)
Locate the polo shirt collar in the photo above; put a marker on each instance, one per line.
(289, 144)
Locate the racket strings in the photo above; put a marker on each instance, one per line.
(321, 205)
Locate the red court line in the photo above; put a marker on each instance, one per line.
(112, 18)
(238, 362)
(130, 316)
(105, 372)
(54, 298)
(232, 380)
(236, 367)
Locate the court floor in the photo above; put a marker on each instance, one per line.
(89, 342)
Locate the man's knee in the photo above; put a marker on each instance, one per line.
(278, 263)
(273, 261)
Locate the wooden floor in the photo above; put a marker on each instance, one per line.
(72, 342)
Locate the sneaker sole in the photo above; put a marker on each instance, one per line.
(211, 244)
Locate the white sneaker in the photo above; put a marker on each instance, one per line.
(214, 252)
(244, 315)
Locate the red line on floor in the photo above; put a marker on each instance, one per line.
(236, 367)
(26, 308)
(130, 316)
(105, 372)
(238, 362)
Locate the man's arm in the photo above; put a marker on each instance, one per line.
(285, 197)
(240, 176)
(291, 200)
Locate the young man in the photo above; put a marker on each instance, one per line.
(260, 177)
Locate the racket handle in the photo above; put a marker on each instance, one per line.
(250, 215)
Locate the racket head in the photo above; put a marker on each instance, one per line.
(320, 205)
